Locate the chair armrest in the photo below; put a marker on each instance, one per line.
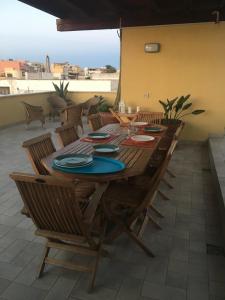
(37, 108)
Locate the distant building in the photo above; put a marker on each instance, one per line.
(12, 69)
(65, 70)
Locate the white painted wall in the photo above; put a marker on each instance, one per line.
(26, 86)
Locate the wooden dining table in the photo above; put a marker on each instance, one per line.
(135, 158)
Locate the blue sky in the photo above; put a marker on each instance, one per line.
(28, 33)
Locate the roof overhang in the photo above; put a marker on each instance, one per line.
(108, 14)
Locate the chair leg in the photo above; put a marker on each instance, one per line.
(142, 227)
(99, 253)
(156, 211)
(163, 195)
(41, 268)
(156, 224)
(167, 183)
(138, 241)
(170, 173)
(95, 267)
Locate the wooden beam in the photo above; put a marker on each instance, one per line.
(72, 25)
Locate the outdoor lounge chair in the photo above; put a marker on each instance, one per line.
(63, 220)
(66, 134)
(34, 113)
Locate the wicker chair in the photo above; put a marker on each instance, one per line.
(33, 113)
(72, 115)
(57, 104)
(150, 117)
(42, 146)
(91, 105)
(59, 217)
(95, 122)
(66, 135)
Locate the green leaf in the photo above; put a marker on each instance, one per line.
(198, 111)
(164, 105)
(186, 106)
(180, 103)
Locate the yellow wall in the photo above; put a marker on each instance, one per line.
(79, 97)
(191, 61)
(12, 111)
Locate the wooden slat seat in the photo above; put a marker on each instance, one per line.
(55, 210)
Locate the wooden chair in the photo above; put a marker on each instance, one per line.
(42, 146)
(128, 204)
(72, 115)
(176, 137)
(38, 148)
(95, 122)
(59, 217)
(107, 118)
(150, 117)
(66, 135)
(33, 113)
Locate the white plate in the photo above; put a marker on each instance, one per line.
(72, 167)
(138, 123)
(142, 138)
(73, 160)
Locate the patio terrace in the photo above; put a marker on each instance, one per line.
(181, 270)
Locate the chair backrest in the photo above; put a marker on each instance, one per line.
(32, 110)
(107, 118)
(90, 102)
(66, 134)
(72, 115)
(38, 148)
(95, 121)
(150, 117)
(57, 102)
(179, 130)
(51, 203)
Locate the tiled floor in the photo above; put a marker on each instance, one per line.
(181, 269)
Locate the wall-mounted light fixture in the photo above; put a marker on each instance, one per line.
(152, 47)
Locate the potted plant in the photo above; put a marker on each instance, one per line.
(62, 91)
(103, 105)
(176, 109)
